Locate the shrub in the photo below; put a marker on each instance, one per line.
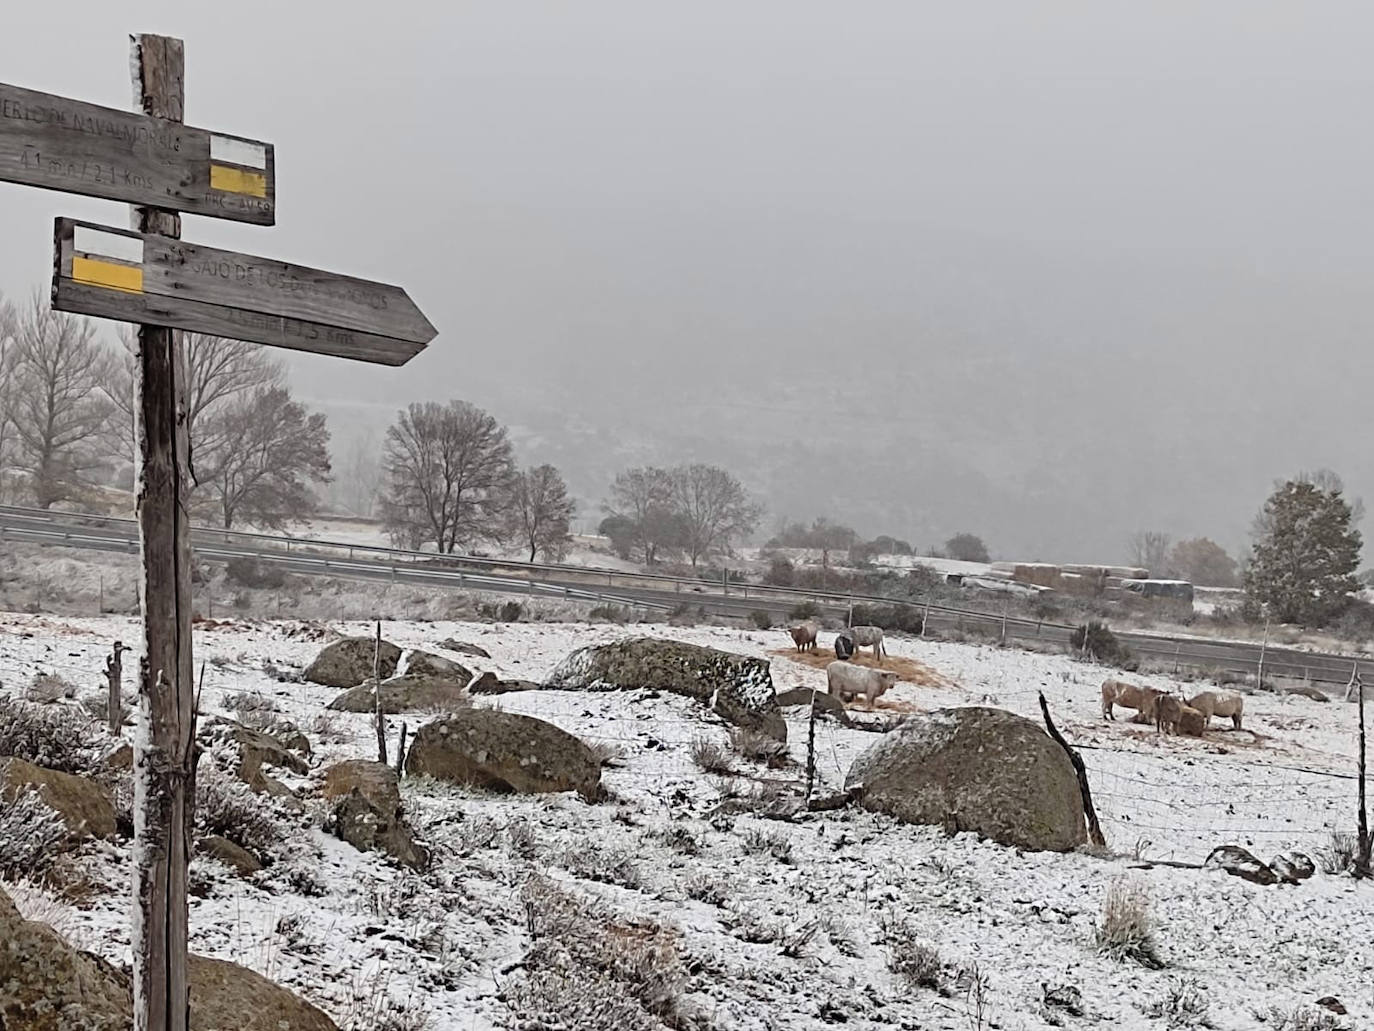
(610, 614)
(803, 610)
(904, 618)
(248, 701)
(51, 736)
(504, 612)
(761, 619)
(710, 756)
(1097, 641)
(706, 888)
(1302, 1018)
(1340, 854)
(758, 747)
(590, 969)
(781, 573)
(908, 955)
(592, 862)
(226, 807)
(31, 836)
(249, 572)
(762, 843)
(1183, 1004)
(1126, 930)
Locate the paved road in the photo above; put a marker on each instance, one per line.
(654, 593)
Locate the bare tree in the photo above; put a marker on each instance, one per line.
(218, 373)
(714, 507)
(273, 453)
(9, 351)
(642, 500)
(448, 473)
(359, 476)
(1150, 549)
(541, 511)
(57, 410)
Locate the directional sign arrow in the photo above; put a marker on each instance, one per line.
(137, 277)
(75, 147)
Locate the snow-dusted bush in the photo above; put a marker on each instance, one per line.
(710, 756)
(54, 736)
(593, 862)
(1183, 1003)
(1339, 855)
(590, 969)
(763, 843)
(756, 747)
(225, 806)
(1126, 930)
(31, 835)
(1302, 1018)
(908, 955)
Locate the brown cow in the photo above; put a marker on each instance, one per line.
(804, 636)
(1168, 711)
(1190, 722)
(1129, 696)
(1219, 703)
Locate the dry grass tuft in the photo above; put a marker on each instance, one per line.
(1126, 931)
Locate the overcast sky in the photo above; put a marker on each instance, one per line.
(1140, 233)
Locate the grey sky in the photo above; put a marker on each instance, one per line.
(1075, 269)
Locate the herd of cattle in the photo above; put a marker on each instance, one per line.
(1171, 714)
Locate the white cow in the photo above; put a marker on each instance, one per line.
(847, 681)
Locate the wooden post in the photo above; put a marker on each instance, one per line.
(1264, 644)
(114, 674)
(925, 619)
(164, 773)
(1094, 828)
(401, 751)
(1362, 860)
(811, 749)
(377, 696)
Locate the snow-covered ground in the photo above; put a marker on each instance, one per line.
(345, 928)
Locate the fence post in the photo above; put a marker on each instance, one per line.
(811, 750)
(1362, 861)
(925, 618)
(1178, 649)
(113, 674)
(1004, 622)
(377, 695)
(1264, 644)
(1094, 828)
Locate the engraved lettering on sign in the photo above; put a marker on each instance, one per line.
(286, 281)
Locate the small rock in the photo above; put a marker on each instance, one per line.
(407, 693)
(463, 648)
(120, 759)
(48, 687)
(425, 664)
(236, 857)
(1240, 863)
(368, 813)
(489, 683)
(1332, 1004)
(1293, 867)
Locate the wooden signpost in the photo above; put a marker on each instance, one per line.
(118, 274)
(149, 276)
(68, 145)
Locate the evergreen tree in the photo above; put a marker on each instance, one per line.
(1305, 553)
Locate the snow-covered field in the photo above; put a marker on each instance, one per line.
(777, 924)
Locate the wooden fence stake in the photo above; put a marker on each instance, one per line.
(1094, 828)
(114, 674)
(164, 748)
(811, 749)
(1362, 861)
(377, 696)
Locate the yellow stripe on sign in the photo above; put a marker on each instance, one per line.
(238, 180)
(128, 278)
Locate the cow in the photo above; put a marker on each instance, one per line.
(804, 636)
(1168, 712)
(1129, 696)
(866, 637)
(844, 645)
(1219, 703)
(1190, 722)
(848, 681)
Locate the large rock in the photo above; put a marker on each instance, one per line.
(47, 985)
(976, 769)
(737, 687)
(84, 806)
(405, 694)
(367, 811)
(348, 662)
(505, 752)
(426, 664)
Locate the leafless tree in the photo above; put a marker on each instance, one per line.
(358, 476)
(219, 372)
(714, 507)
(541, 511)
(273, 454)
(1150, 550)
(9, 351)
(57, 410)
(448, 472)
(641, 500)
